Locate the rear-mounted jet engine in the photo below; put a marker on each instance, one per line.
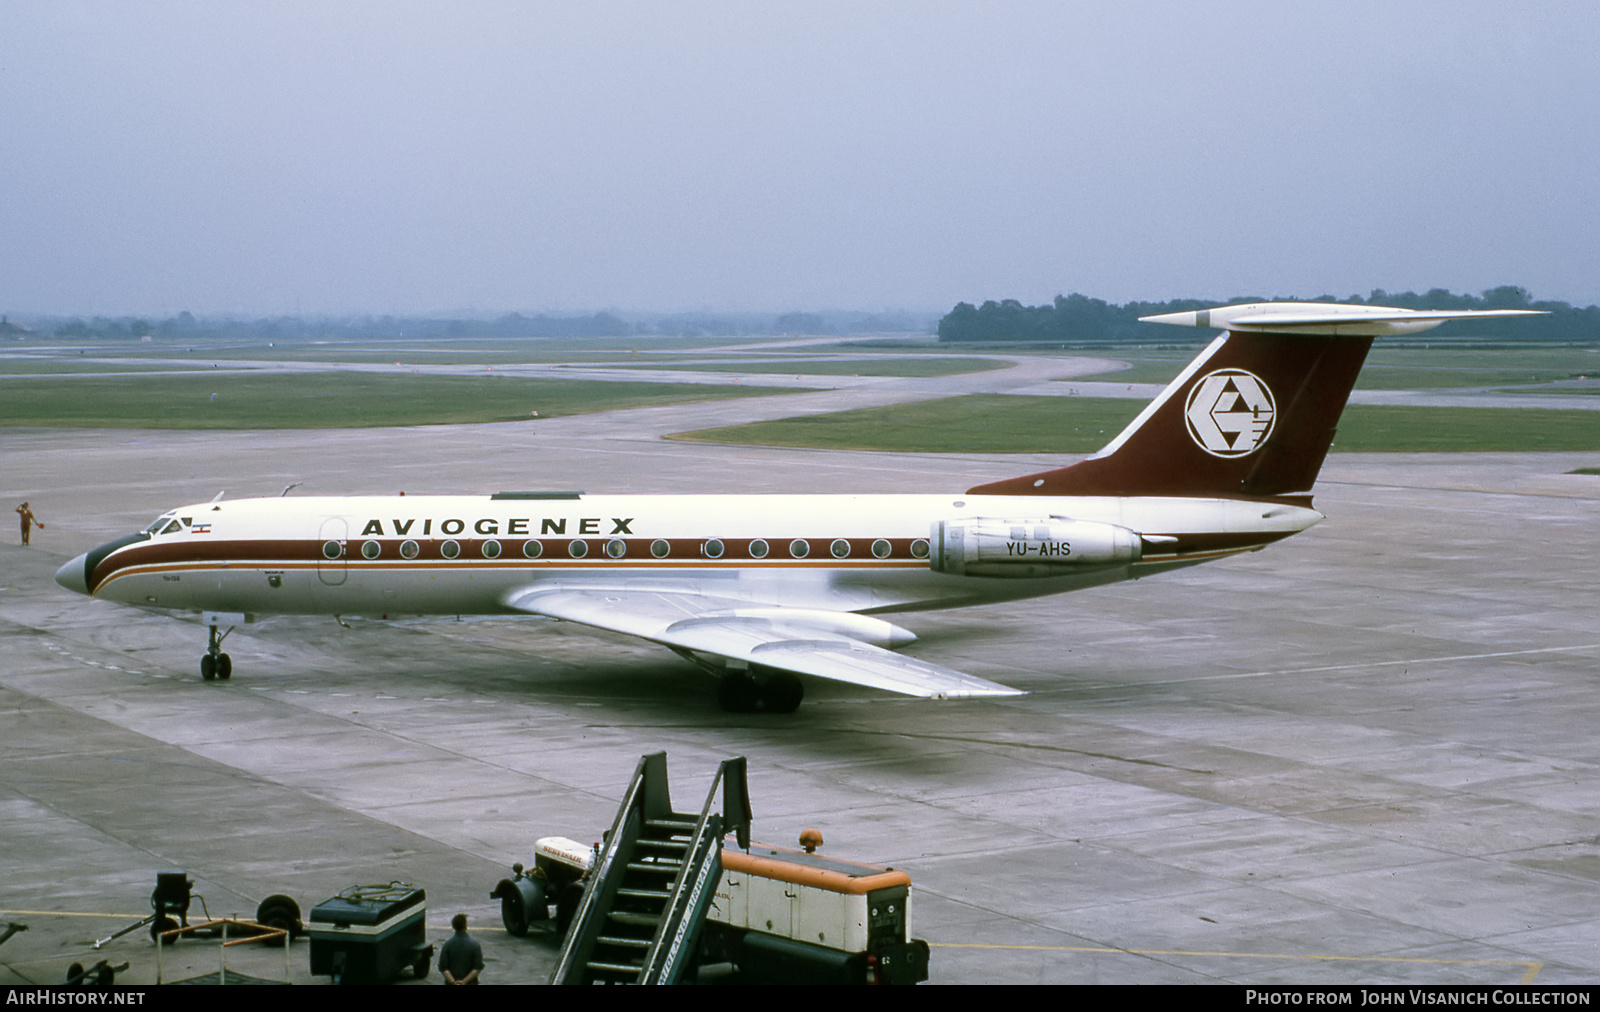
(1028, 548)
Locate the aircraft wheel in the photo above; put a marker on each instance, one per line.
(208, 667)
(224, 667)
(782, 693)
(737, 692)
(419, 968)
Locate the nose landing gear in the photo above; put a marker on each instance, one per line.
(215, 664)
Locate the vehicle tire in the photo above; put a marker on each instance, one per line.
(279, 911)
(419, 968)
(75, 973)
(208, 667)
(512, 913)
(224, 667)
(276, 917)
(161, 924)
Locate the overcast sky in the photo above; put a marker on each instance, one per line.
(418, 157)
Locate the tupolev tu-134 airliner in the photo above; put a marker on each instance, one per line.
(759, 589)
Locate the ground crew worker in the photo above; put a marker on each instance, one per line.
(28, 520)
(461, 958)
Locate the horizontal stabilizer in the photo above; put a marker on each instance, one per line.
(1326, 318)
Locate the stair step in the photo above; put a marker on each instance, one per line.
(657, 867)
(624, 943)
(632, 971)
(644, 894)
(676, 825)
(678, 845)
(634, 920)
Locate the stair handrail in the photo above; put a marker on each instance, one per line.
(635, 798)
(668, 955)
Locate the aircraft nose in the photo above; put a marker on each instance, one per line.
(72, 575)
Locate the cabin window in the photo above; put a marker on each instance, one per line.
(660, 548)
(174, 526)
(919, 548)
(449, 549)
(880, 549)
(532, 549)
(371, 549)
(578, 549)
(332, 549)
(840, 548)
(491, 549)
(408, 550)
(713, 549)
(758, 549)
(616, 548)
(799, 548)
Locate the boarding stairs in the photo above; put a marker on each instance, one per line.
(646, 899)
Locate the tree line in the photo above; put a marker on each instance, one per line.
(1079, 319)
(186, 325)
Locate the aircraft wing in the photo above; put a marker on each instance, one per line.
(835, 645)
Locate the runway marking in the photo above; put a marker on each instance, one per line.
(71, 913)
(1382, 664)
(1531, 968)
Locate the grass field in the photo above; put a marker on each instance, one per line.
(324, 400)
(915, 367)
(1008, 424)
(42, 366)
(979, 423)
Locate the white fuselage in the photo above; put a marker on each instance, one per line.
(467, 554)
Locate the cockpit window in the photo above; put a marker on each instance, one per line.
(172, 525)
(161, 526)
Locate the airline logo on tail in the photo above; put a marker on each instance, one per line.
(1230, 413)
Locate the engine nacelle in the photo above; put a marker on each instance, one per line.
(1028, 548)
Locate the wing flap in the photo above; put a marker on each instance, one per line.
(831, 645)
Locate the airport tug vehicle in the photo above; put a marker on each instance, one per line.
(667, 893)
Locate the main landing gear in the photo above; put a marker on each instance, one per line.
(215, 664)
(777, 692)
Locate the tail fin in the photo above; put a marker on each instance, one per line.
(1252, 416)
